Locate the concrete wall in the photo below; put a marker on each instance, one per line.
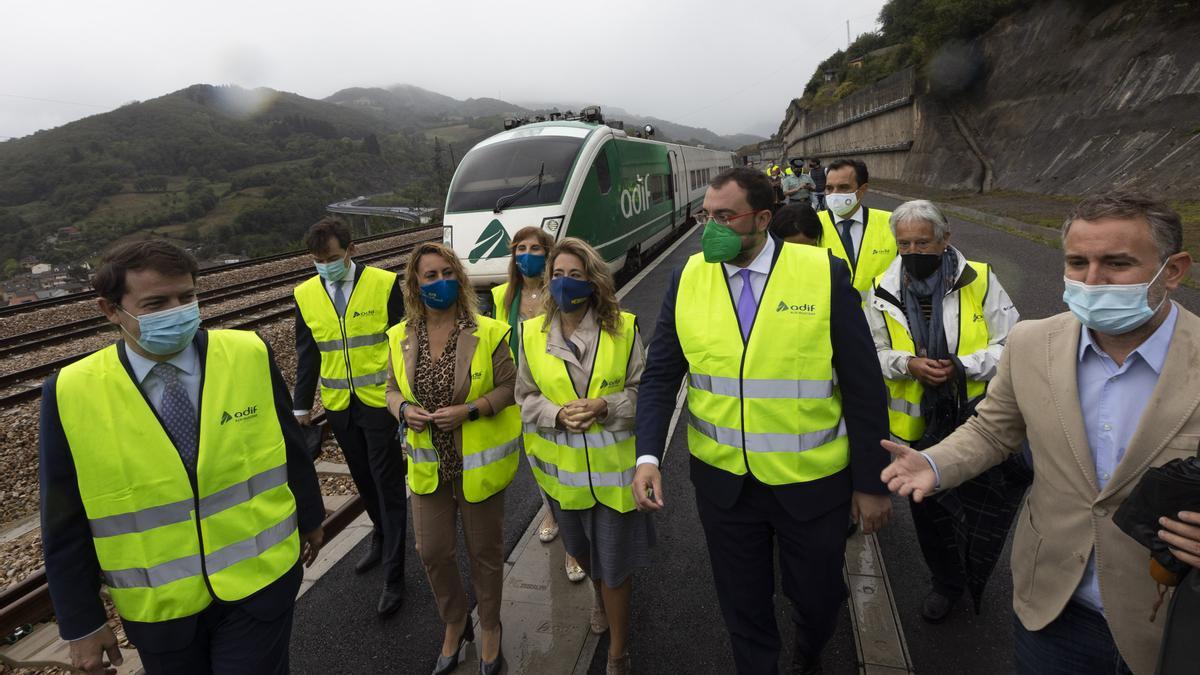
(1065, 101)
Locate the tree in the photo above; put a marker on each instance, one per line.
(371, 145)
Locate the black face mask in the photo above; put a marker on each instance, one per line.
(920, 265)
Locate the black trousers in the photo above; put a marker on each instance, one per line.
(229, 641)
(377, 466)
(939, 546)
(741, 546)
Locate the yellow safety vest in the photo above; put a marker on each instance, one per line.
(163, 539)
(754, 406)
(353, 347)
(498, 302)
(489, 444)
(904, 406)
(876, 252)
(575, 469)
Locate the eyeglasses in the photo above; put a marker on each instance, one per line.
(705, 216)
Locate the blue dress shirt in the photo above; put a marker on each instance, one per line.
(188, 363)
(1112, 399)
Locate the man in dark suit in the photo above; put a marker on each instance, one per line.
(342, 314)
(171, 466)
(761, 327)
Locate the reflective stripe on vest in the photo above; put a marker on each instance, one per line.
(904, 405)
(155, 539)
(580, 469)
(876, 251)
(752, 405)
(353, 347)
(489, 444)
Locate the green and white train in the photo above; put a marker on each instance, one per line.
(574, 178)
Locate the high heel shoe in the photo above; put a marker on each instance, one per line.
(446, 664)
(497, 666)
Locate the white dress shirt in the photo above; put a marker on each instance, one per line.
(188, 363)
(856, 229)
(759, 268)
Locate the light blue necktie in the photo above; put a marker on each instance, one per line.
(339, 298)
(747, 306)
(178, 413)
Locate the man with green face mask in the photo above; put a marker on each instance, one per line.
(779, 452)
(859, 235)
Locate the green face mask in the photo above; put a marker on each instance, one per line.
(719, 242)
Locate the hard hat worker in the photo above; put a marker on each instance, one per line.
(172, 468)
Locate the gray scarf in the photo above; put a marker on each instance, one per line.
(930, 335)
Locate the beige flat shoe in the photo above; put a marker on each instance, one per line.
(619, 665)
(575, 573)
(546, 534)
(599, 620)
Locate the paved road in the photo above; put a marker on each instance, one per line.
(677, 626)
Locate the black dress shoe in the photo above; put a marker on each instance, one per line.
(446, 664)
(390, 600)
(936, 607)
(806, 665)
(373, 556)
(497, 666)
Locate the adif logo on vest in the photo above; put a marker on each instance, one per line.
(240, 416)
(805, 309)
(605, 384)
(369, 312)
(977, 317)
(879, 251)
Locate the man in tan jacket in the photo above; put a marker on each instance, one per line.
(1102, 392)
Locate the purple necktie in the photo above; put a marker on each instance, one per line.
(747, 306)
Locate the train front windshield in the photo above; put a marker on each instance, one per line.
(496, 172)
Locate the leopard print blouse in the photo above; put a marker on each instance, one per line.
(433, 385)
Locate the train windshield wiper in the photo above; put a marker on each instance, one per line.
(507, 200)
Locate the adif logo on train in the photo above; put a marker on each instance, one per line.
(636, 199)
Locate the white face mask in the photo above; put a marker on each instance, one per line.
(842, 203)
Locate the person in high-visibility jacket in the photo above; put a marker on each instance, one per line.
(577, 387)
(450, 383)
(782, 452)
(520, 298)
(931, 312)
(855, 233)
(172, 469)
(342, 314)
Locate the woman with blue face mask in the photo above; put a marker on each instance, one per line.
(579, 371)
(521, 298)
(450, 383)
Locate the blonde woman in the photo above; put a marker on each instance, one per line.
(577, 382)
(451, 386)
(522, 297)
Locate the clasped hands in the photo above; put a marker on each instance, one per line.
(931, 372)
(445, 419)
(580, 414)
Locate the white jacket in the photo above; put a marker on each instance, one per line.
(998, 312)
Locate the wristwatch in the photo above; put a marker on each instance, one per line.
(472, 412)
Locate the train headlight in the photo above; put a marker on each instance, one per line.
(448, 236)
(552, 225)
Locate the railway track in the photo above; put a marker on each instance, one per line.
(12, 310)
(42, 337)
(246, 316)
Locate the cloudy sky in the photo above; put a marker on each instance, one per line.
(730, 65)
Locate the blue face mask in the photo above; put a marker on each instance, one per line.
(169, 331)
(570, 294)
(1111, 309)
(333, 271)
(531, 264)
(440, 294)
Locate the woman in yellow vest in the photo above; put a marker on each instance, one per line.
(577, 383)
(521, 298)
(932, 312)
(450, 384)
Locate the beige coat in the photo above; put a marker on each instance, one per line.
(504, 374)
(1035, 393)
